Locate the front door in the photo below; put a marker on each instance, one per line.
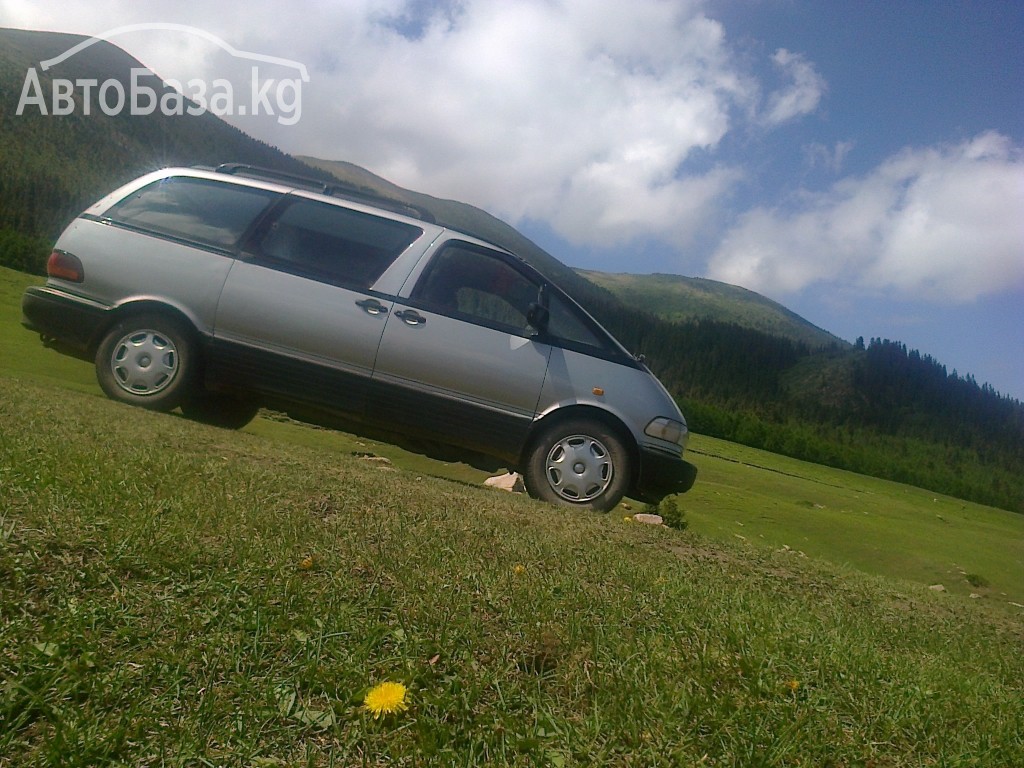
(458, 360)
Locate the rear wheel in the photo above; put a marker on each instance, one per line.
(578, 463)
(147, 360)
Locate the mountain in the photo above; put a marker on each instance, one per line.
(743, 368)
(677, 298)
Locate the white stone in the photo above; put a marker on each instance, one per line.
(649, 519)
(510, 481)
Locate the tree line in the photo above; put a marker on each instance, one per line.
(881, 410)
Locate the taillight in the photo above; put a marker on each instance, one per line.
(65, 266)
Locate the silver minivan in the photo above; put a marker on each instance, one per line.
(221, 290)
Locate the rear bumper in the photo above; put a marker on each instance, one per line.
(57, 316)
(662, 475)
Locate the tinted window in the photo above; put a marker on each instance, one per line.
(208, 212)
(566, 323)
(469, 283)
(334, 244)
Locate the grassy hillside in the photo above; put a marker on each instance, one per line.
(677, 298)
(173, 594)
(743, 494)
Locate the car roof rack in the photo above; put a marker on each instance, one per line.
(332, 189)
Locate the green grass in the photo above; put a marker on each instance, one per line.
(157, 609)
(876, 526)
(742, 494)
(173, 594)
(767, 500)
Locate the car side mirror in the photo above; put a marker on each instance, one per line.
(538, 316)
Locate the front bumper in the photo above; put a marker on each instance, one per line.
(69, 320)
(661, 475)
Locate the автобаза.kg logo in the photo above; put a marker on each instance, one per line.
(279, 97)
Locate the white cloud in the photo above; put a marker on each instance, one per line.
(942, 223)
(801, 96)
(580, 113)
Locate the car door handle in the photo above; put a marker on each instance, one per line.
(372, 307)
(411, 317)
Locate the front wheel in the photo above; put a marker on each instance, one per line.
(578, 463)
(147, 360)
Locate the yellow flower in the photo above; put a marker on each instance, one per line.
(793, 685)
(385, 698)
(627, 519)
(306, 563)
(517, 569)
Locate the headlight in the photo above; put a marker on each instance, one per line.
(666, 429)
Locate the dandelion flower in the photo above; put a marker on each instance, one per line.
(793, 685)
(518, 568)
(385, 699)
(306, 563)
(627, 519)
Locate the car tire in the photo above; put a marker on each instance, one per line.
(578, 463)
(147, 360)
(219, 410)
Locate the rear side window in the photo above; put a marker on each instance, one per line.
(201, 211)
(333, 244)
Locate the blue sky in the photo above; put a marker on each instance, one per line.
(909, 74)
(860, 162)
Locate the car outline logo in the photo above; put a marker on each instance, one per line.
(173, 27)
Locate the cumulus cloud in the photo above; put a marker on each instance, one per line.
(580, 113)
(584, 114)
(940, 223)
